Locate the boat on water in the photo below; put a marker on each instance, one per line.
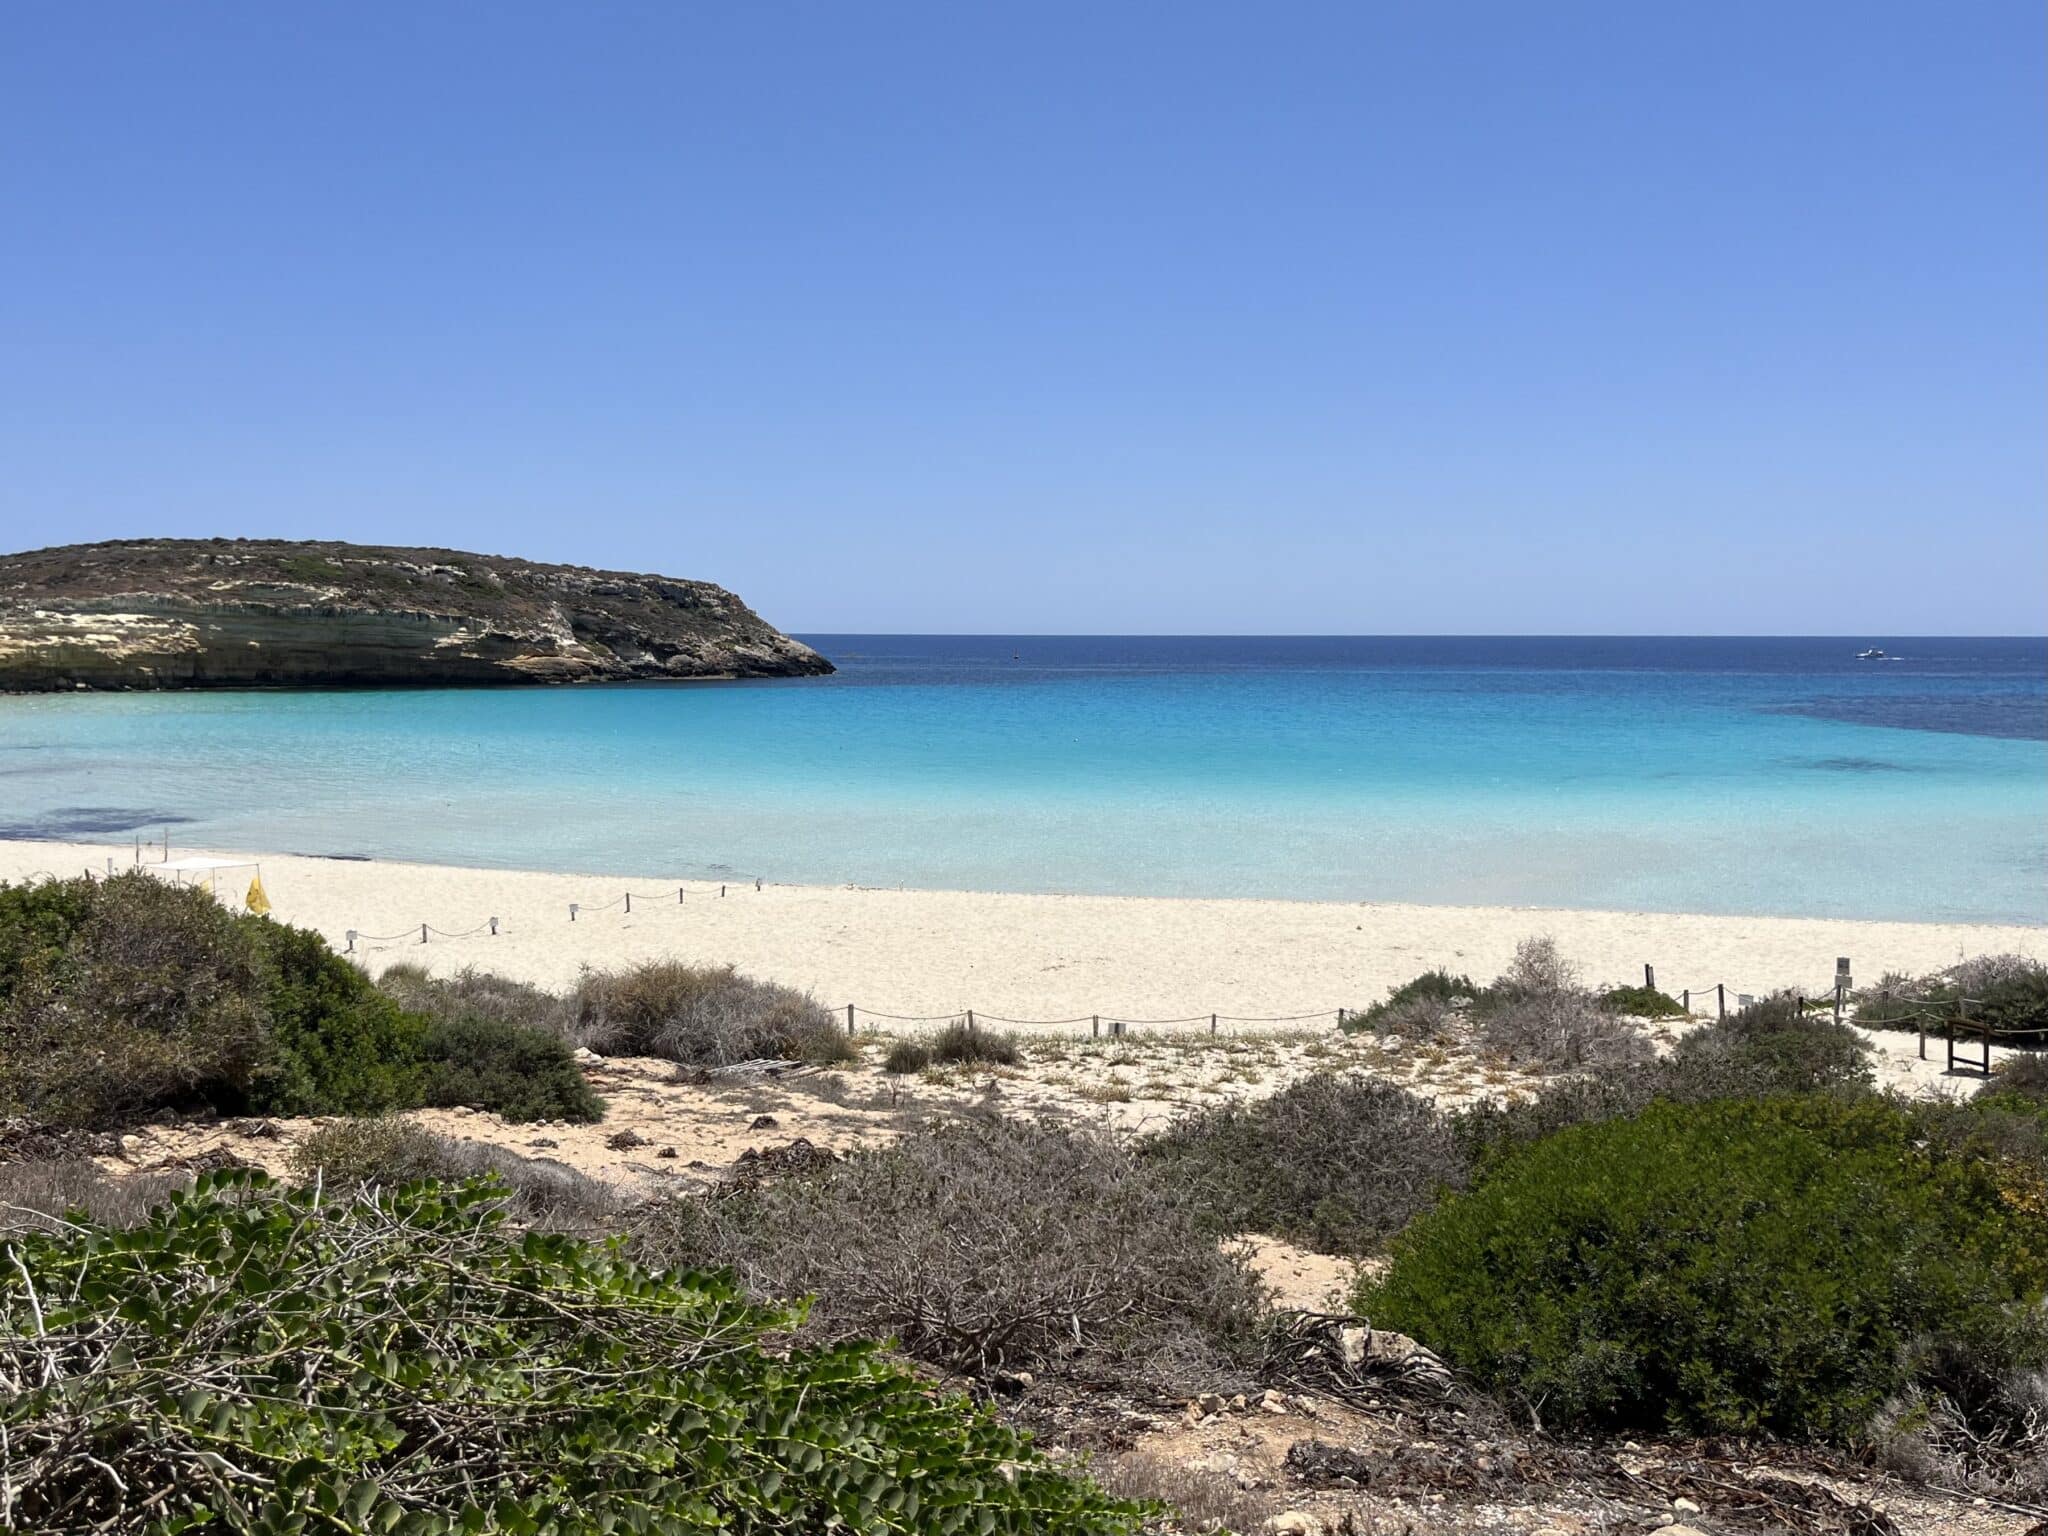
(1873, 654)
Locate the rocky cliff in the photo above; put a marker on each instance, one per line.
(252, 613)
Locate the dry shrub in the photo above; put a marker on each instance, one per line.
(1201, 1499)
(957, 1045)
(1338, 1163)
(986, 1245)
(38, 1196)
(1559, 1031)
(387, 1151)
(475, 994)
(907, 1056)
(2025, 1076)
(1419, 1019)
(1767, 1049)
(1537, 1014)
(703, 1016)
(1539, 966)
(1981, 974)
(1418, 1008)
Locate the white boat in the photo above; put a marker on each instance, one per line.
(1870, 655)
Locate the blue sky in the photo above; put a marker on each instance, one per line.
(1357, 318)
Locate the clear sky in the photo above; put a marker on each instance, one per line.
(1432, 316)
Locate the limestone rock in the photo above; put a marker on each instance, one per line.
(227, 613)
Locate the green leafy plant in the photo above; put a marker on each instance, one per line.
(1641, 1002)
(401, 1363)
(1774, 1266)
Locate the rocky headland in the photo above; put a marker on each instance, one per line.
(255, 613)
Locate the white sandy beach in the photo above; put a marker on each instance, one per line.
(1030, 957)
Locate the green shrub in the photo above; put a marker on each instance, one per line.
(342, 1046)
(400, 1360)
(2015, 1005)
(128, 996)
(907, 1056)
(957, 1045)
(510, 1069)
(1770, 1047)
(124, 998)
(1337, 1163)
(1641, 1003)
(988, 1245)
(1769, 1266)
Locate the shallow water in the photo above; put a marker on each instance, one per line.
(1765, 776)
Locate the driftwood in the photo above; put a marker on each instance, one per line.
(1348, 1359)
(763, 1066)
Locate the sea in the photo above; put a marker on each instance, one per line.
(1760, 776)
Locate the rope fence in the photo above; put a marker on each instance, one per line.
(621, 903)
(1100, 1025)
(1947, 1016)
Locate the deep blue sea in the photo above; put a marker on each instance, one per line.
(1708, 775)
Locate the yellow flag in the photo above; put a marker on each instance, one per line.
(256, 901)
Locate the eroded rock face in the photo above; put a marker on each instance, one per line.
(228, 613)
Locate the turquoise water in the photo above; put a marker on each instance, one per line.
(1678, 775)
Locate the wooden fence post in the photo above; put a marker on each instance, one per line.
(970, 1021)
(1212, 1023)
(1649, 976)
(849, 1018)
(1721, 999)
(423, 933)
(629, 903)
(1095, 1027)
